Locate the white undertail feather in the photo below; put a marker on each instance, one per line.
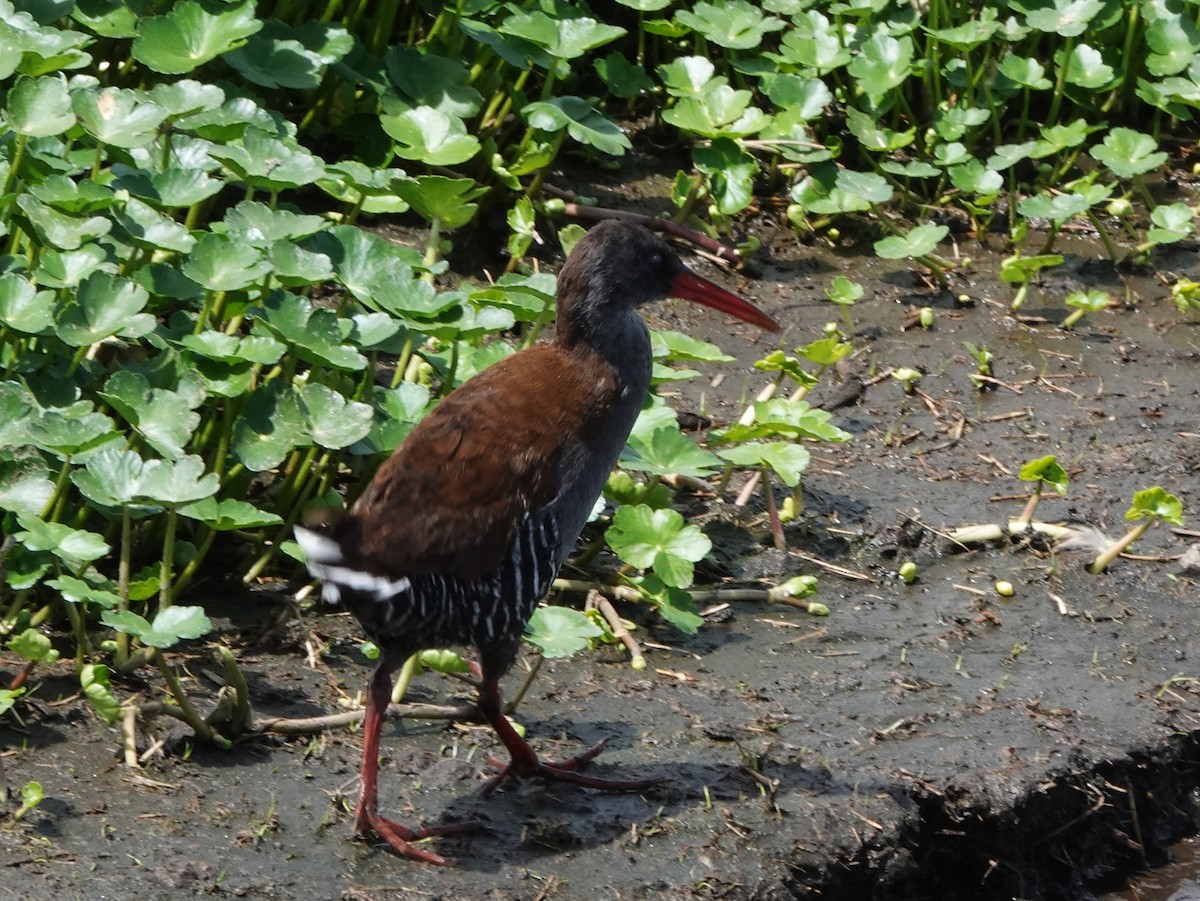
(323, 554)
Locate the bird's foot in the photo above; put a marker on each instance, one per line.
(528, 766)
(400, 837)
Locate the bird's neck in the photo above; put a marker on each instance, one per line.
(620, 338)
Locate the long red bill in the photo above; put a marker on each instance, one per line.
(689, 286)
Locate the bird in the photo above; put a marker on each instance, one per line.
(463, 529)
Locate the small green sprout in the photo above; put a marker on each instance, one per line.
(31, 797)
(1089, 301)
(908, 572)
(907, 378)
(845, 293)
(1186, 294)
(794, 592)
(1004, 588)
(925, 317)
(1021, 270)
(983, 365)
(1042, 472)
(1149, 507)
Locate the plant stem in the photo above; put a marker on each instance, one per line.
(168, 560)
(203, 731)
(1112, 552)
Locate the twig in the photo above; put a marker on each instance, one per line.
(581, 211)
(281, 725)
(832, 567)
(595, 599)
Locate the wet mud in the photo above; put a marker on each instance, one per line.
(925, 741)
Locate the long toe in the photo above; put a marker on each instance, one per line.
(401, 838)
(567, 771)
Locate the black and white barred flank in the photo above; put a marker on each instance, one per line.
(439, 607)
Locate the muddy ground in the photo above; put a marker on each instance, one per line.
(931, 740)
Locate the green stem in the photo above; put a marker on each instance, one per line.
(168, 560)
(404, 679)
(1056, 102)
(1110, 554)
(124, 569)
(203, 731)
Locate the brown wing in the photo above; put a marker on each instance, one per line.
(451, 496)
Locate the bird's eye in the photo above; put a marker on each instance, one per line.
(656, 259)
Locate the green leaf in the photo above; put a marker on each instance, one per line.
(919, 241)
(23, 308)
(39, 107)
(1174, 40)
(690, 76)
(449, 200)
(25, 487)
(1066, 18)
(720, 110)
(1025, 72)
(623, 78)
(217, 263)
(60, 229)
(261, 226)
(1157, 504)
(672, 346)
(883, 64)
(1020, 269)
(117, 116)
(333, 421)
(1047, 471)
(1087, 69)
(283, 56)
(93, 679)
(8, 697)
(1172, 222)
(151, 230)
(32, 645)
(1129, 153)
(561, 37)
(105, 306)
(266, 161)
(165, 418)
(396, 413)
(428, 135)
(270, 426)
(561, 631)
(73, 546)
(784, 458)
(228, 514)
(317, 336)
(189, 35)
(583, 122)
(657, 539)
(77, 591)
(426, 79)
(675, 605)
(177, 481)
(68, 268)
(781, 417)
(68, 430)
(731, 171)
(169, 626)
(804, 98)
(657, 446)
(734, 24)
(872, 134)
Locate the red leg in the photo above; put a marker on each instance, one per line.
(366, 817)
(525, 761)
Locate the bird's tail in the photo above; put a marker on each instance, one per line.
(327, 560)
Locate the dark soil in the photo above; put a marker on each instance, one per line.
(931, 740)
